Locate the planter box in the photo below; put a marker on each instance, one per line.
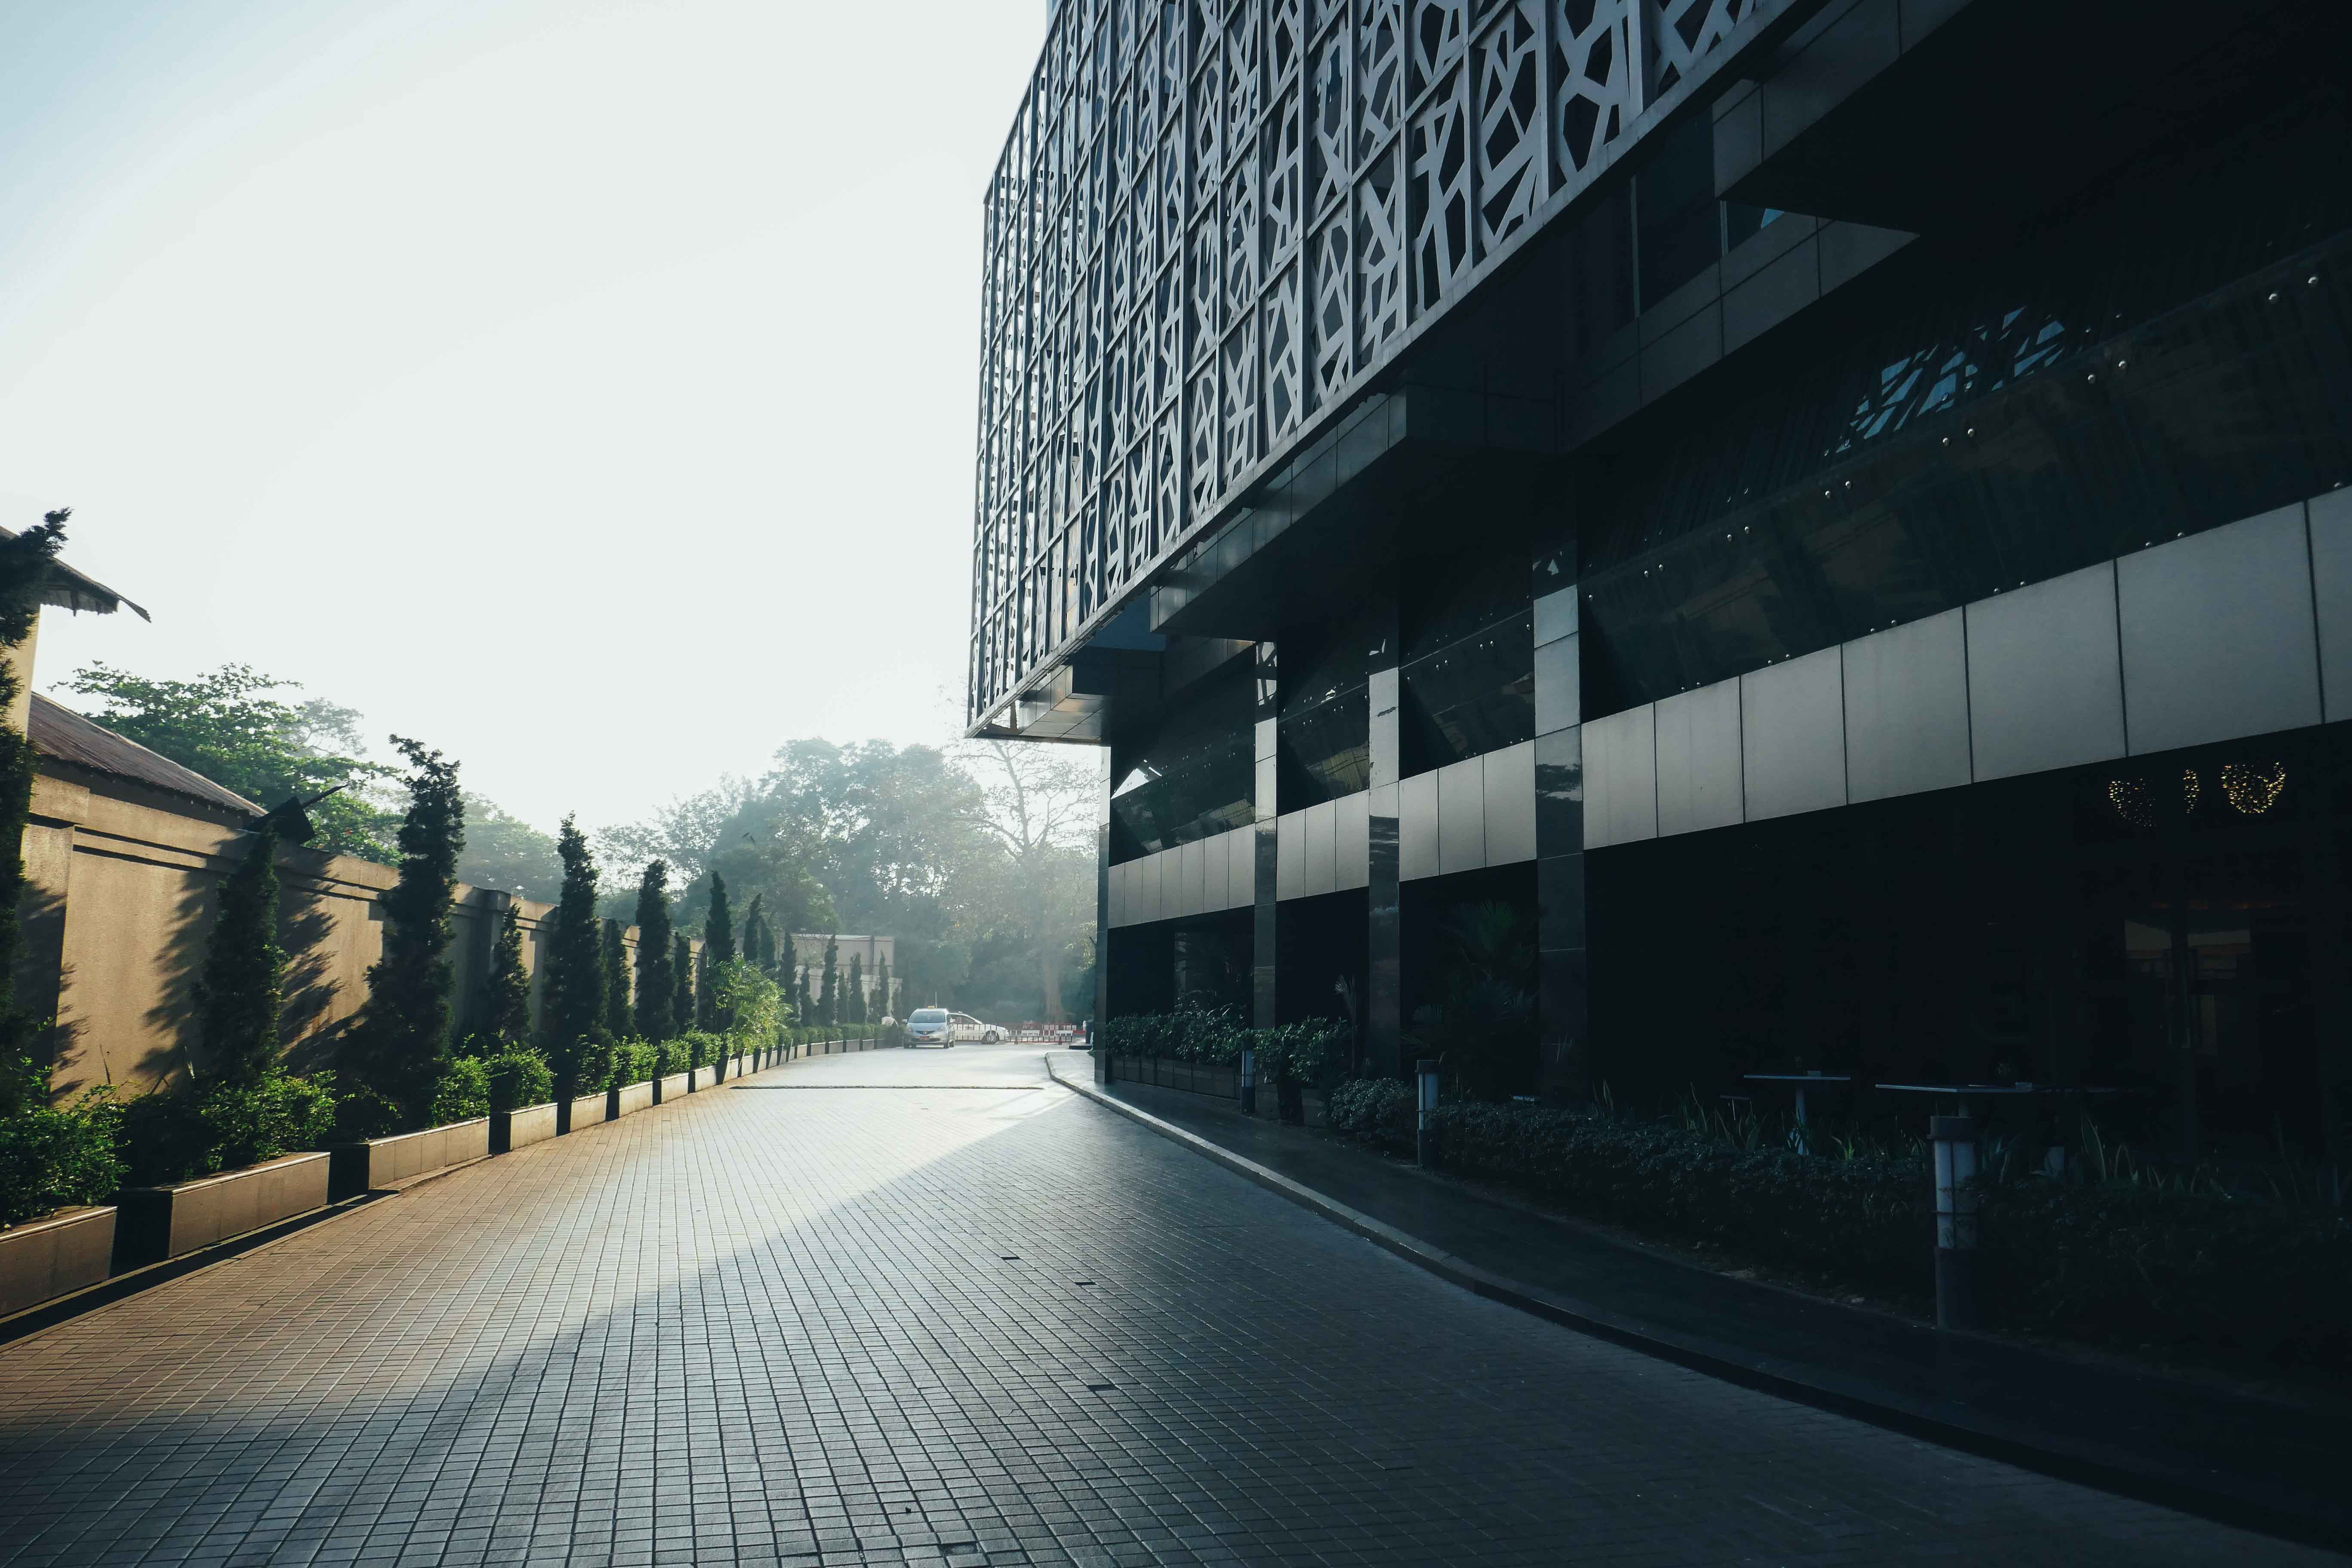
(588, 1111)
(377, 1164)
(1222, 1080)
(677, 1085)
(735, 1068)
(48, 1257)
(157, 1223)
(628, 1100)
(525, 1124)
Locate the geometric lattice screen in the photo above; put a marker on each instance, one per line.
(1211, 218)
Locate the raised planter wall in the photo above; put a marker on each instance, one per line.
(628, 1100)
(46, 1257)
(1222, 1080)
(588, 1111)
(525, 1124)
(677, 1085)
(157, 1223)
(377, 1164)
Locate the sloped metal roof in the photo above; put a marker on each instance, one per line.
(58, 733)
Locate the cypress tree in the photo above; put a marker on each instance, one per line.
(24, 563)
(754, 925)
(787, 966)
(717, 948)
(882, 1008)
(801, 1001)
(681, 979)
(507, 1012)
(719, 925)
(828, 996)
(655, 986)
(401, 1044)
(855, 999)
(616, 970)
(238, 996)
(575, 983)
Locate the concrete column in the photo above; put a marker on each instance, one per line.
(1383, 900)
(1101, 1014)
(1265, 705)
(1564, 975)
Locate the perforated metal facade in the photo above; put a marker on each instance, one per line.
(1213, 219)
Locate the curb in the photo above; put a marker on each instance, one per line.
(2182, 1489)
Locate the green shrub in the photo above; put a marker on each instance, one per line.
(634, 1061)
(701, 1047)
(519, 1079)
(1375, 1110)
(178, 1134)
(462, 1092)
(2204, 1274)
(57, 1158)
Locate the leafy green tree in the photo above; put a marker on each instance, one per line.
(575, 983)
(227, 727)
(656, 986)
(504, 851)
(401, 1044)
(616, 969)
(854, 1003)
(681, 966)
(243, 985)
(506, 1013)
(25, 562)
(828, 996)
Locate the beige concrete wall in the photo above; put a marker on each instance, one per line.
(123, 885)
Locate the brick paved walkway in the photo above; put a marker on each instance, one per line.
(990, 1323)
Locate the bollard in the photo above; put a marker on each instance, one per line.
(1249, 1082)
(1955, 1141)
(1425, 1071)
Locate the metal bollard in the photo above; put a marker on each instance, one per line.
(1425, 1072)
(1249, 1082)
(1955, 1141)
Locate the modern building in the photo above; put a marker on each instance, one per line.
(1832, 517)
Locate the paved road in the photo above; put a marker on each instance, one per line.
(913, 1307)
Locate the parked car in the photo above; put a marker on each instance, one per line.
(930, 1027)
(968, 1027)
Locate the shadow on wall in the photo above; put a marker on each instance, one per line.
(171, 1027)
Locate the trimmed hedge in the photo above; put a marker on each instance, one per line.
(56, 1159)
(180, 1133)
(1310, 1052)
(2199, 1276)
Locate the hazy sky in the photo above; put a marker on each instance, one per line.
(583, 387)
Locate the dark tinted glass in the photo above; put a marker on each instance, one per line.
(1475, 696)
(1191, 779)
(1679, 226)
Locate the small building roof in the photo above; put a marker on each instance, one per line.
(67, 589)
(60, 735)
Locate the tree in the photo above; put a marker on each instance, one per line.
(754, 931)
(1037, 808)
(575, 982)
(240, 994)
(401, 1046)
(504, 851)
(786, 966)
(25, 562)
(856, 1000)
(717, 948)
(829, 999)
(616, 969)
(804, 1003)
(681, 967)
(882, 1008)
(718, 926)
(226, 727)
(655, 986)
(507, 1007)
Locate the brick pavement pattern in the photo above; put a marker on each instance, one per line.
(921, 1307)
